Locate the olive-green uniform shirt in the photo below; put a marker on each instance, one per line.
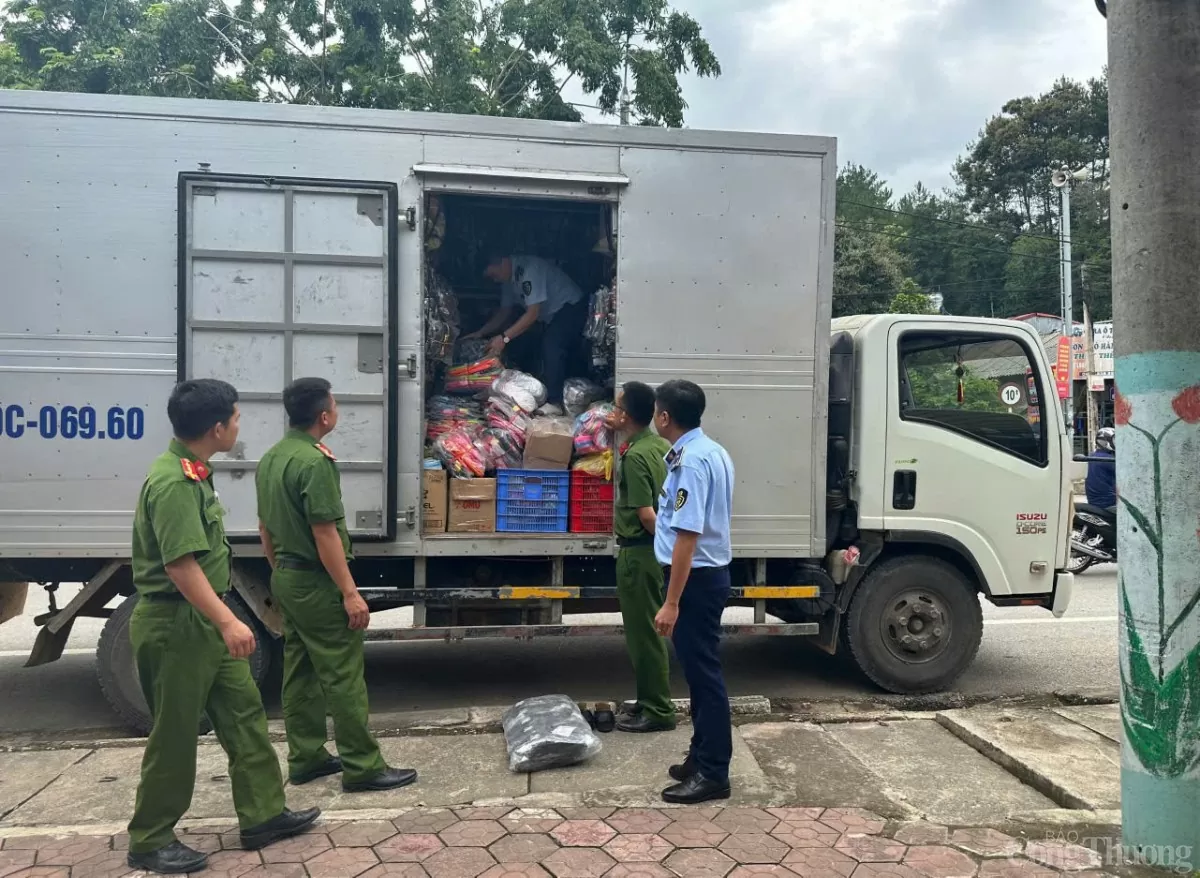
(178, 514)
(641, 476)
(298, 485)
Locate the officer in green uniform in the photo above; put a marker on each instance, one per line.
(190, 648)
(639, 576)
(303, 528)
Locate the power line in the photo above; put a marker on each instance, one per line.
(1057, 260)
(965, 225)
(972, 226)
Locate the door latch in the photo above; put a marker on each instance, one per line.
(410, 218)
(412, 365)
(410, 517)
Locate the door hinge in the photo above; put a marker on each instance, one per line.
(411, 364)
(410, 517)
(410, 217)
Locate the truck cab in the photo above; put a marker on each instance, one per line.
(955, 480)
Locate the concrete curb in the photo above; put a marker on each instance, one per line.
(424, 723)
(1045, 785)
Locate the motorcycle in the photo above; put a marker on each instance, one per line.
(1093, 535)
(1093, 538)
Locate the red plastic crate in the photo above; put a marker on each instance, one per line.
(591, 504)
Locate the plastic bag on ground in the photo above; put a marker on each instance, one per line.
(579, 393)
(547, 732)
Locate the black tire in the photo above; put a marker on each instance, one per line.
(118, 676)
(886, 608)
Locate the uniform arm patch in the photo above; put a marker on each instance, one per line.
(681, 498)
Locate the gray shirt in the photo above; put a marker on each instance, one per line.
(537, 281)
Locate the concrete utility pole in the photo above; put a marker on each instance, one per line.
(1154, 107)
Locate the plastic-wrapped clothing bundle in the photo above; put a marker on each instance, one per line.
(579, 393)
(501, 447)
(472, 378)
(459, 453)
(441, 319)
(445, 413)
(504, 414)
(601, 327)
(521, 388)
(598, 465)
(592, 434)
(468, 350)
(547, 732)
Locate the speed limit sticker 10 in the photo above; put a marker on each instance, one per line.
(1010, 394)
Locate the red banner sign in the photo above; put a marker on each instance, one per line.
(1062, 369)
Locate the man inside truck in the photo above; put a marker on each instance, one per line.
(548, 296)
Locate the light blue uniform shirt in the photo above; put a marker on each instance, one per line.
(696, 497)
(537, 281)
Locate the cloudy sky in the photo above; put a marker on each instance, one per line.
(904, 85)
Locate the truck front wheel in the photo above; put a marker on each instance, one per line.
(914, 625)
(118, 673)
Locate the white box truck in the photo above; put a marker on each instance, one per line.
(892, 470)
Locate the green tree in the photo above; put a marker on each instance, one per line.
(490, 57)
(867, 272)
(910, 299)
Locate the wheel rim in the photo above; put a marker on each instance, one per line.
(1078, 560)
(917, 627)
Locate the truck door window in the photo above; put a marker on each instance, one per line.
(980, 386)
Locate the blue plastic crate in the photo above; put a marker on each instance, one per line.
(532, 501)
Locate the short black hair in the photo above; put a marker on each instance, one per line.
(683, 401)
(305, 399)
(638, 402)
(196, 406)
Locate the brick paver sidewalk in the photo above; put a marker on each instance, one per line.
(589, 843)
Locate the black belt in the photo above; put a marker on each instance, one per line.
(697, 571)
(297, 564)
(633, 542)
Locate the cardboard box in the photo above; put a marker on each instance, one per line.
(435, 500)
(549, 445)
(472, 506)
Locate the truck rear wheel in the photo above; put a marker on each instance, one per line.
(914, 625)
(118, 674)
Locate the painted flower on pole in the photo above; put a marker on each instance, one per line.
(1159, 712)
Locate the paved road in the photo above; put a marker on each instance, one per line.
(1024, 652)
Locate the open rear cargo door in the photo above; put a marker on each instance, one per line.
(285, 278)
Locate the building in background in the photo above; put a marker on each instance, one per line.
(1100, 382)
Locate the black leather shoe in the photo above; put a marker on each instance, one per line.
(175, 859)
(388, 779)
(332, 766)
(694, 790)
(631, 708)
(684, 770)
(642, 723)
(606, 721)
(286, 825)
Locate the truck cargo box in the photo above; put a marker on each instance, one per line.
(147, 240)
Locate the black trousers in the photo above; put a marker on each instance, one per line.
(562, 339)
(697, 640)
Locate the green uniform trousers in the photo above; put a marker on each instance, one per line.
(640, 591)
(323, 675)
(186, 671)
